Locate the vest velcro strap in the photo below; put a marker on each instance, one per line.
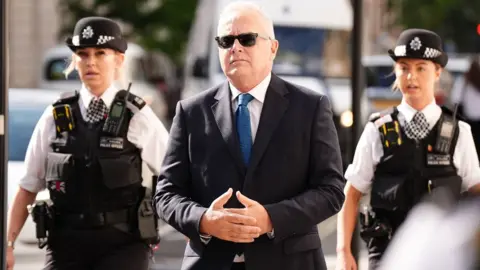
(94, 220)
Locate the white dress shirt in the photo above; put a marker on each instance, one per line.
(369, 150)
(145, 131)
(255, 106)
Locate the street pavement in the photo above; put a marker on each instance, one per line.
(170, 253)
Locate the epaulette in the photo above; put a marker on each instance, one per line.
(451, 113)
(67, 98)
(133, 99)
(375, 116)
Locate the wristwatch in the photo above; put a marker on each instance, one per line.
(11, 244)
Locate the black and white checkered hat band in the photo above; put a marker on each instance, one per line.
(100, 40)
(401, 51)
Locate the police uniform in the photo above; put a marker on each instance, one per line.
(404, 154)
(94, 175)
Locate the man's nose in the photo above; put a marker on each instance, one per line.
(237, 46)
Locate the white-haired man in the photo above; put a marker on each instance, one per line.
(272, 143)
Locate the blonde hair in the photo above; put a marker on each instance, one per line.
(70, 67)
(118, 76)
(395, 85)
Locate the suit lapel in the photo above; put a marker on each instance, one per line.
(222, 110)
(273, 110)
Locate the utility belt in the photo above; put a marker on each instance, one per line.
(93, 220)
(140, 219)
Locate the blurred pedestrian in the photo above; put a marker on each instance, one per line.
(437, 235)
(466, 92)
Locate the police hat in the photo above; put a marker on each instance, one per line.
(97, 32)
(419, 44)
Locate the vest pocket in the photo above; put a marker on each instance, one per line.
(120, 171)
(58, 174)
(390, 193)
(451, 184)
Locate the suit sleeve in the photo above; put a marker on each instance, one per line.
(324, 195)
(172, 196)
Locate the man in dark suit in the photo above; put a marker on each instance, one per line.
(271, 142)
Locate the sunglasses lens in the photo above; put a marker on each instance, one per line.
(247, 40)
(226, 41)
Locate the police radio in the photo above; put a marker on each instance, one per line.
(445, 133)
(116, 114)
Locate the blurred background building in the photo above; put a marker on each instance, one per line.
(33, 28)
(167, 63)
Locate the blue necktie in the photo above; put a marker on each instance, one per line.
(243, 126)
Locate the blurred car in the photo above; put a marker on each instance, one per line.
(25, 107)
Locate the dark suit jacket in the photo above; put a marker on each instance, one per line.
(295, 172)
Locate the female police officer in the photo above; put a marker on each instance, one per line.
(406, 152)
(87, 150)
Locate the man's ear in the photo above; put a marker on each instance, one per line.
(274, 48)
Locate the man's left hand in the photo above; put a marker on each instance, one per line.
(253, 209)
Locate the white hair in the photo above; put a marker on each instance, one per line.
(246, 7)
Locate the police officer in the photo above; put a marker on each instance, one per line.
(406, 152)
(87, 150)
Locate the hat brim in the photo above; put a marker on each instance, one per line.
(442, 60)
(120, 46)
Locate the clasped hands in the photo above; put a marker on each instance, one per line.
(239, 225)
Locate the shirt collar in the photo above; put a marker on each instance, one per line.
(107, 96)
(258, 92)
(432, 112)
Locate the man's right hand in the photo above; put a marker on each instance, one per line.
(228, 226)
(10, 258)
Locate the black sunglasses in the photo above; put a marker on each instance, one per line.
(246, 40)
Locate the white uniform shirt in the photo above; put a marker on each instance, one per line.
(145, 131)
(369, 150)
